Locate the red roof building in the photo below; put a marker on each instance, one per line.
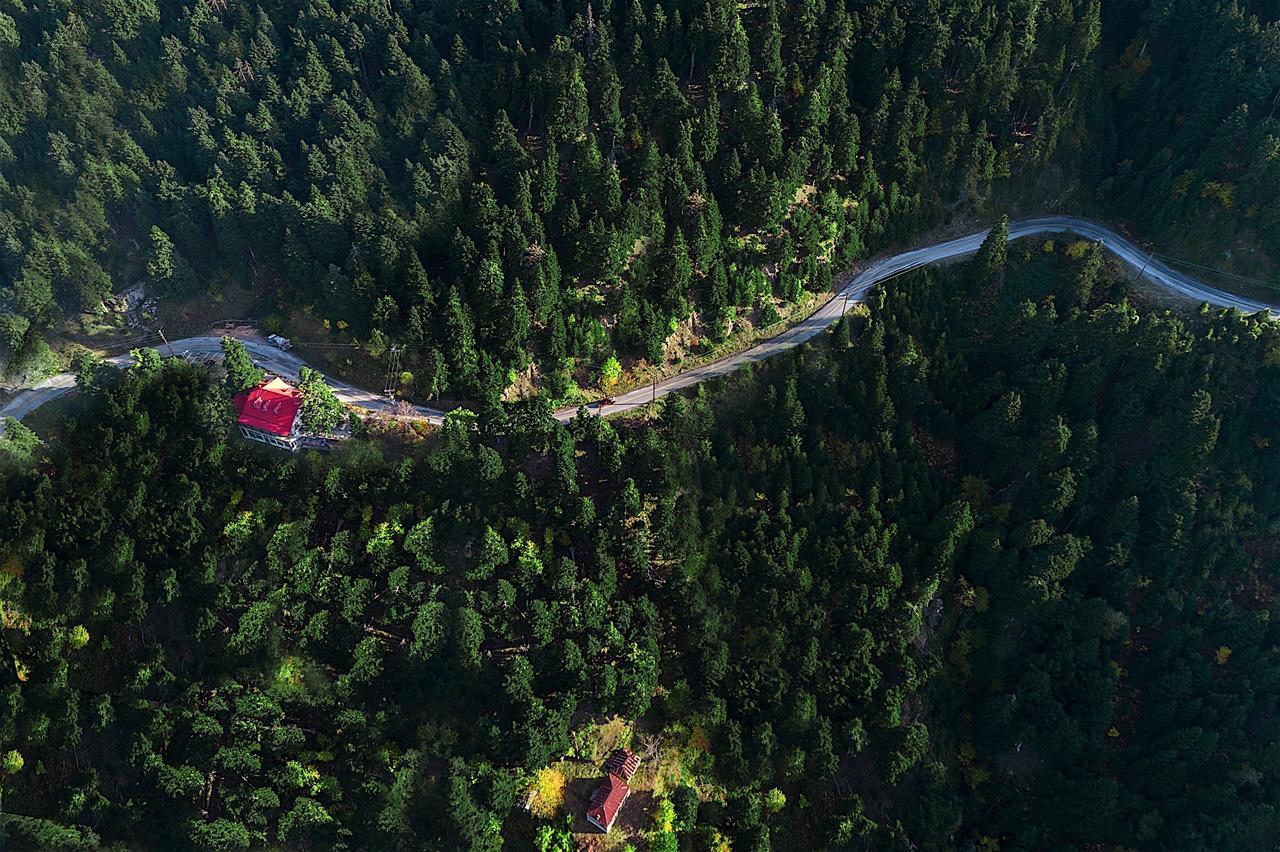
(607, 801)
(622, 763)
(269, 413)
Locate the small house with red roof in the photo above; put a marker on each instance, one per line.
(622, 763)
(607, 801)
(270, 413)
(609, 796)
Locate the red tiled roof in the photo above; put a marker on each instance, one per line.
(271, 407)
(622, 763)
(607, 800)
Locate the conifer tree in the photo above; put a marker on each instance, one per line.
(240, 371)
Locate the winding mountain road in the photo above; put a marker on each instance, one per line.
(888, 267)
(287, 364)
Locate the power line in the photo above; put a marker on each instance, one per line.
(137, 341)
(318, 343)
(136, 338)
(297, 343)
(1243, 278)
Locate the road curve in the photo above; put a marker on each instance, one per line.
(887, 267)
(287, 364)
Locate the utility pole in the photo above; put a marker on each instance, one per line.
(166, 341)
(393, 366)
(1144, 264)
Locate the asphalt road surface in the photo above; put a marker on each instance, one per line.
(287, 364)
(888, 267)
(266, 356)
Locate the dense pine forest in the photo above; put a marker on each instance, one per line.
(989, 568)
(559, 183)
(1191, 149)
